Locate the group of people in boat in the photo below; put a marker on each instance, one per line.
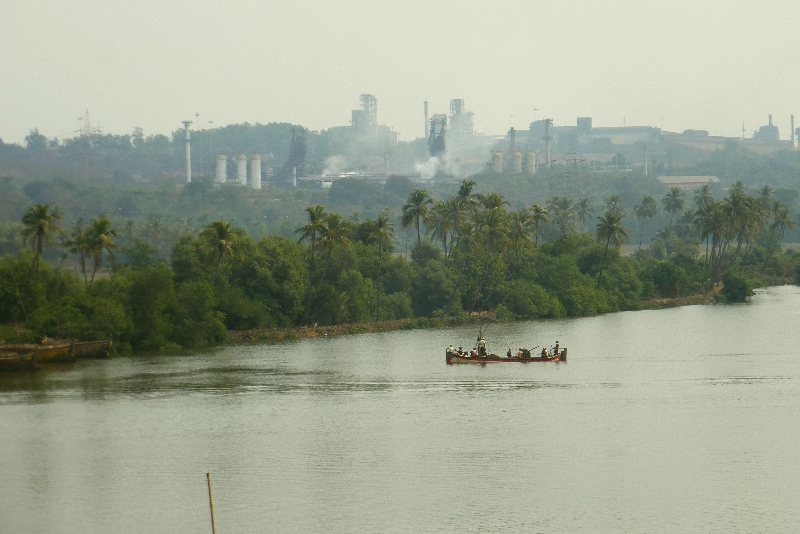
(480, 350)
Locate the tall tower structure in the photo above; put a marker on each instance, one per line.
(427, 124)
(548, 136)
(186, 125)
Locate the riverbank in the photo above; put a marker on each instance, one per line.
(303, 332)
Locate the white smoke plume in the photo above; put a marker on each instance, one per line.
(428, 169)
(334, 165)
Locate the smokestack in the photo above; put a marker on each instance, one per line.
(427, 124)
(770, 119)
(188, 151)
(548, 136)
(241, 167)
(792, 131)
(255, 172)
(222, 169)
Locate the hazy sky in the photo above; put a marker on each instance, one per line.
(153, 63)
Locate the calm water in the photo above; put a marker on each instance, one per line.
(683, 420)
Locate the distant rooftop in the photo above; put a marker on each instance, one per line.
(687, 182)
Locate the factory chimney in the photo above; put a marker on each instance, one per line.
(427, 124)
(188, 151)
(792, 131)
(770, 119)
(548, 136)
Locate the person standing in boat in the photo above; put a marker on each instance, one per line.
(508, 354)
(450, 350)
(481, 347)
(555, 349)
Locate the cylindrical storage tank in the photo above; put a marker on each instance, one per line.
(517, 162)
(255, 172)
(531, 162)
(241, 165)
(222, 169)
(497, 162)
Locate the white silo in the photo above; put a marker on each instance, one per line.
(517, 161)
(241, 167)
(222, 169)
(255, 172)
(531, 162)
(497, 162)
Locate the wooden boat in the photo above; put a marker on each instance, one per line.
(494, 358)
(29, 355)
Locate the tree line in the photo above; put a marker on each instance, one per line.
(471, 254)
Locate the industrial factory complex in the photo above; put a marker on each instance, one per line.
(452, 150)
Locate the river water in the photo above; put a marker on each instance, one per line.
(680, 420)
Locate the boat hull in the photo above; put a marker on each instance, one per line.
(21, 356)
(494, 358)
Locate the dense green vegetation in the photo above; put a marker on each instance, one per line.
(470, 253)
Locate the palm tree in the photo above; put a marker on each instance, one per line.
(562, 214)
(520, 225)
(703, 196)
(39, 221)
(101, 236)
(646, 210)
(415, 210)
(538, 215)
(492, 201)
(466, 199)
(673, 202)
(781, 219)
(383, 233)
(444, 220)
(583, 209)
(714, 222)
(314, 226)
(220, 239)
(614, 204)
(610, 228)
(336, 230)
(80, 242)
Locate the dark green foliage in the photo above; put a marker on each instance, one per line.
(434, 290)
(528, 300)
(195, 322)
(669, 280)
(425, 252)
(735, 287)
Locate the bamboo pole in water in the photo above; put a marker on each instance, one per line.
(211, 504)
